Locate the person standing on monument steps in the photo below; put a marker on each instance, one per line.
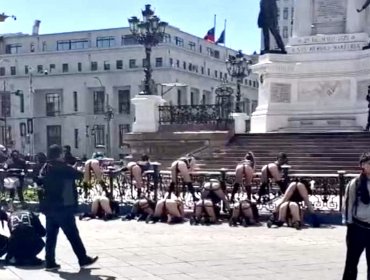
(268, 21)
(366, 4)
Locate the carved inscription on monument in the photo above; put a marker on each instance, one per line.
(324, 92)
(329, 11)
(280, 93)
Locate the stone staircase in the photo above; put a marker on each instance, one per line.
(308, 153)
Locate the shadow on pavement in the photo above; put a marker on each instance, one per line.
(83, 274)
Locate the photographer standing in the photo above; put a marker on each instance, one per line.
(59, 205)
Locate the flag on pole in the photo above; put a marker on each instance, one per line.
(221, 39)
(210, 36)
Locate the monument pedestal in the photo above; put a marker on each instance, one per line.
(239, 122)
(313, 91)
(146, 113)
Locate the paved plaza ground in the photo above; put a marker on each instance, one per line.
(132, 250)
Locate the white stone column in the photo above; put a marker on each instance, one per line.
(146, 113)
(355, 21)
(239, 122)
(302, 24)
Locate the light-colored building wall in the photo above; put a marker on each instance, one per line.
(46, 68)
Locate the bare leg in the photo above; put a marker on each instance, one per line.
(104, 203)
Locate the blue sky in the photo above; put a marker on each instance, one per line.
(192, 16)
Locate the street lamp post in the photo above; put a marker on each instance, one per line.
(108, 115)
(238, 68)
(149, 32)
(3, 17)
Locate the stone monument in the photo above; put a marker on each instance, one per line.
(321, 84)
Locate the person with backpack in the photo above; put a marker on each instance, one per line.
(25, 241)
(59, 205)
(356, 215)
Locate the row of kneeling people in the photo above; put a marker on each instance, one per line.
(207, 210)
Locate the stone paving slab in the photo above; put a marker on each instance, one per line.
(132, 250)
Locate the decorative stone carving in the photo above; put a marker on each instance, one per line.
(280, 93)
(328, 92)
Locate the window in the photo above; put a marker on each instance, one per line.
(54, 135)
(65, 45)
(40, 68)
(26, 69)
(13, 48)
(190, 67)
(44, 46)
(53, 104)
(106, 65)
(184, 65)
(132, 63)
(2, 71)
(200, 48)
(254, 105)
(52, 67)
(247, 106)
(209, 72)
(119, 64)
(285, 13)
(202, 70)
(192, 46)
(158, 62)
(75, 101)
(99, 135)
(13, 71)
(65, 67)
(144, 64)
(171, 62)
(178, 63)
(76, 138)
(179, 41)
(21, 103)
(32, 47)
(124, 102)
(5, 104)
(94, 66)
(129, 40)
(79, 66)
(123, 129)
(215, 73)
(105, 42)
(179, 99)
(285, 32)
(216, 54)
(99, 100)
(22, 129)
(166, 38)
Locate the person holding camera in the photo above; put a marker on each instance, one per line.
(368, 114)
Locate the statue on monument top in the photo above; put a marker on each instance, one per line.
(367, 3)
(268, 21)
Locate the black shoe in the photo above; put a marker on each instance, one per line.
(34, 262)
(88, 261)
(52, 266)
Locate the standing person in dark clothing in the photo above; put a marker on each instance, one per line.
(368, 105)
(16, 167)
(68, 157)
(59, 205)
(356, 216)
(268, 21)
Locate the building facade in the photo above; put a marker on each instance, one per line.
(58, 88)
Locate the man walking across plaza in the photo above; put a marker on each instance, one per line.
(59, 205)
(356, 216)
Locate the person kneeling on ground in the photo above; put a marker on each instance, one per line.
(170, 210)
(244, 212)
(25, 241)
(141, 209)
(289, 210)
(273, 171)
(207, 210)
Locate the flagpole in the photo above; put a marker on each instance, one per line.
(214, 25)
(225, 33)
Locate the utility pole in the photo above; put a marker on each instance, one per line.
(108, 117)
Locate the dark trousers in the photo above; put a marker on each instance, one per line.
(358, 240)
(266, 37)
(66, 221)
(368, 120)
